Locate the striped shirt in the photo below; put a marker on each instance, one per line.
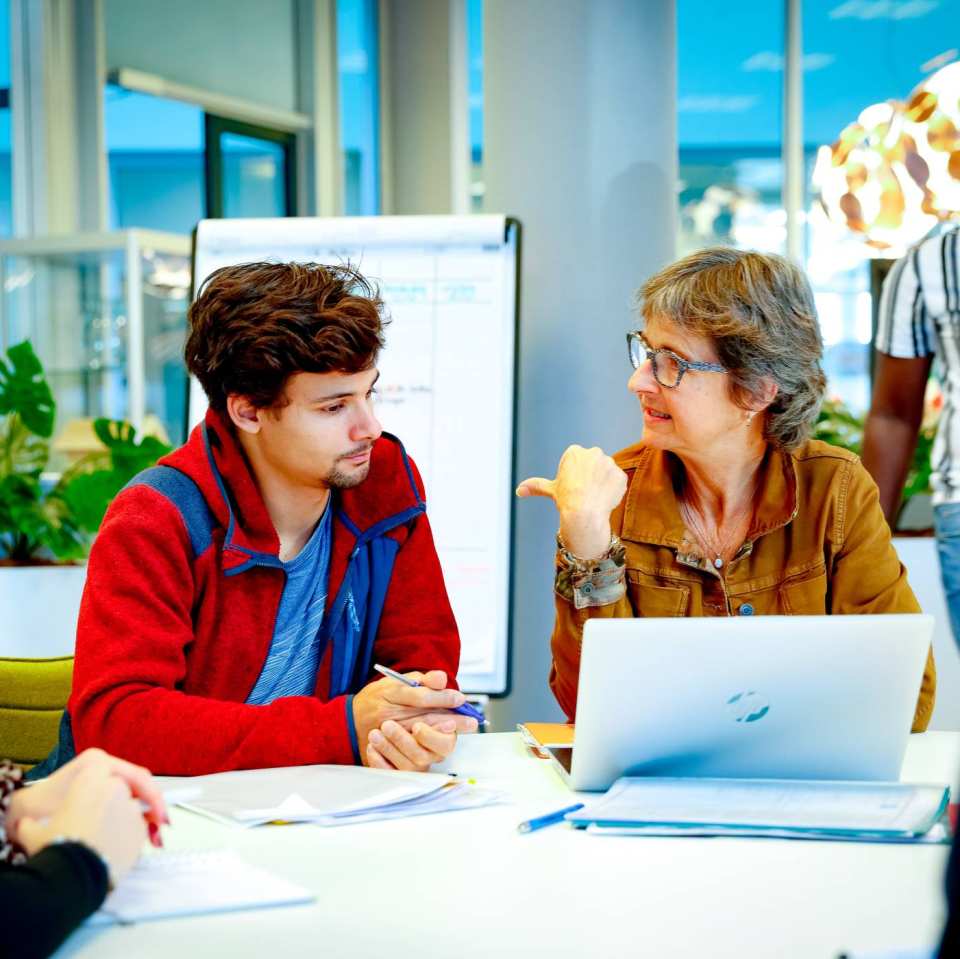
(290, 668)
(919, 316)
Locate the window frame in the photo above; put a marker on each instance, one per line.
(213, 127)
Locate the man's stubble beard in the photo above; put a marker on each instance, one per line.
(337, 479)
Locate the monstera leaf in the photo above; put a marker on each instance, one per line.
(31, 523)
(22, 453)
(128, 455)
(88, 492)
(37, 523)
(25, 391)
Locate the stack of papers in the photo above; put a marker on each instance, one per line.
(794, 809)
(325, 795)
(164, 885)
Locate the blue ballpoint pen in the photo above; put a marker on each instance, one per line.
(550, 819)
(465, 710)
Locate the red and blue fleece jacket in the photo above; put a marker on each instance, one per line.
(182, 592)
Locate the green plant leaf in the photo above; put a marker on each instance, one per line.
(127, 455)
(33, 524)
(24, 389)
(91, 486)
(17, 494)
(88, 495)
(838, 426)
(55, 523)
(21, 452)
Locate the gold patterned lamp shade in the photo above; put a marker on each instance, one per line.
(895, 173)
(933, 117)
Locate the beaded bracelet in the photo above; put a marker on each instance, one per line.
(575, 564)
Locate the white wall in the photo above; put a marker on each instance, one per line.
(240, 48)
(580, 131)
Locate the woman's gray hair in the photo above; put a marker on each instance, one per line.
(758, 310)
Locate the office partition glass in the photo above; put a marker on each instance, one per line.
(107, 316)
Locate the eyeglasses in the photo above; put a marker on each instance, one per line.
(668, 368)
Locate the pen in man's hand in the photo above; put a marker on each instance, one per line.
(465, 710)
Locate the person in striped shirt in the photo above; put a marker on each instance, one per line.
(919, 323)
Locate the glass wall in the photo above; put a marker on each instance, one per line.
(729, 121)
(857, 54)
(155, 157)
(359, 78)
(730, 118)
(6, 179)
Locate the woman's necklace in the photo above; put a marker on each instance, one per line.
(714, 543)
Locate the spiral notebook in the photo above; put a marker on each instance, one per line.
(168, 885)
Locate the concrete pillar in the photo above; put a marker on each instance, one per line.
(581, 146)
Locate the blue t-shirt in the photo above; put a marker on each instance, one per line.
(290, 668)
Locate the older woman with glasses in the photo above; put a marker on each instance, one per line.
(725, 507)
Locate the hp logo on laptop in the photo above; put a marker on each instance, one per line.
(748, 706)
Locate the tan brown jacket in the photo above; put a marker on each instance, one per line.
(818, 544)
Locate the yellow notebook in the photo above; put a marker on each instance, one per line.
(540, 736)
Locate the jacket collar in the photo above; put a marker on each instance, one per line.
(652, 510)
(214, 459)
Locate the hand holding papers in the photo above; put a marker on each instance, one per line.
(326, 795)
(798, 809)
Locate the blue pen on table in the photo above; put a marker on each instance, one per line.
(550, 819)
(465, 710)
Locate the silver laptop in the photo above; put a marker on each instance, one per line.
(782, 697)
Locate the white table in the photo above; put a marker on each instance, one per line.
(466, 884)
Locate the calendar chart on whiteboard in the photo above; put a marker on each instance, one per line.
(446, 385)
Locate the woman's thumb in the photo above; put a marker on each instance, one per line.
(536, 486)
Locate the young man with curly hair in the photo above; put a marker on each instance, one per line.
(239, 593)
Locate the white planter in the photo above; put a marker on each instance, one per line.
(38, 609)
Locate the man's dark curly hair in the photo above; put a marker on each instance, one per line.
(255, 325)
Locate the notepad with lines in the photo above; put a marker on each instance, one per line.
(166, 885)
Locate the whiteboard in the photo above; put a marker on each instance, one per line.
(446, 383)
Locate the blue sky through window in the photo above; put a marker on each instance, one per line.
(856, 52)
